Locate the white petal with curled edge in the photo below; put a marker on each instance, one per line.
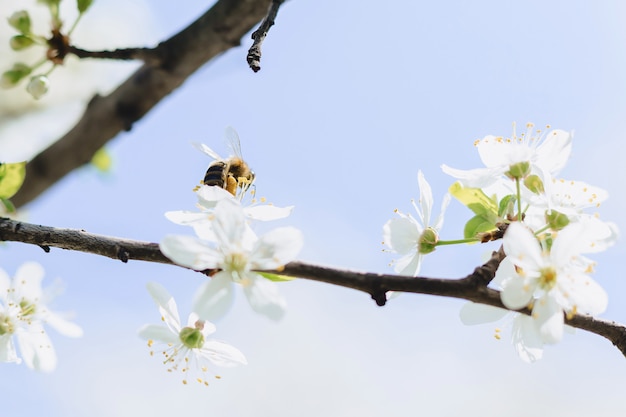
(276, 248)
(548, 316)
(190, 252)
(425, 200)
(167, 305)
(474, 313)
(222, 354)
(214, 297)
(264, 297)
(522, 247)
(158, 333)
(36, 348)
(554, 151)
(526, 339)
(409, 264)
(475, 178)
(402, 234)
(210, 195)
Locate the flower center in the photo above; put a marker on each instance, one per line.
(547, 278)
(236, 262)
(192, 337)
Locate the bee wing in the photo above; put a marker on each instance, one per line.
(233, 141)
(206, 150)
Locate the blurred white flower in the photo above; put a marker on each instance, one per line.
(236, 251)
(107, 25)
(23, 312)
(413, 238)
(187, 348)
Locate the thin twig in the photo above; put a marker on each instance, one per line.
(147, 55)
(254, 53)
(472, 287)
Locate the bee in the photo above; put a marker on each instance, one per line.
(228, 173)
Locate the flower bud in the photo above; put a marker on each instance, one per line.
(38, 86)
(20, 21)
(13, 76)
(19, 42)
(534, 184)
(556, 220)
(427, 241)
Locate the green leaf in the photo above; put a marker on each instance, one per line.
(507, 206)
(476, 225)
(8, 206)
(477, 201)
(102, 160)
(11, 178)
(275, 277)
(83, 5)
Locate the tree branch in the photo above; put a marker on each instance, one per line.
(218, 30)
(254, 53)
(473, 287)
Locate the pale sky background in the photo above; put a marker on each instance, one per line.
(352, 99)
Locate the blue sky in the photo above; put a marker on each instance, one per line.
(352, 99)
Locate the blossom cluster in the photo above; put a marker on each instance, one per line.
(545, 226)
(226, 247)
(23, 314)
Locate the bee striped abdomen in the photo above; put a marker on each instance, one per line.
(216, 174)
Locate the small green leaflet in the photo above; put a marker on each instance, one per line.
(484, 208)
(275, 278)
(11, 178)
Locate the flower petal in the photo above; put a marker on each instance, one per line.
(516, 293)
(167, 305)
(264, 297)
(402, 234)
(548, 316)
(7, 349)
(552, 154)
(276, 248)
(214, 297)
(267, 212)
(526, 339)
(159, 333)
(425, 200)
(222, 354)
(27, 282)
(36, 348)
(190, 252)
(474, 313)
(522, 246)
(63, 326)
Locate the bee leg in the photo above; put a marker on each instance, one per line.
(231, 185)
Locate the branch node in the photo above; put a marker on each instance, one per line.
(45, 248)
(122, 254)
(378, 293)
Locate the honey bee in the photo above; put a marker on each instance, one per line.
(228, 173)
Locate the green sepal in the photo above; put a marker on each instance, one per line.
(477, 201)
(476, 225)
(9, 208)
(11, 178)
(556, 220)
(275, 277)
(83, 5)
(13, 76)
